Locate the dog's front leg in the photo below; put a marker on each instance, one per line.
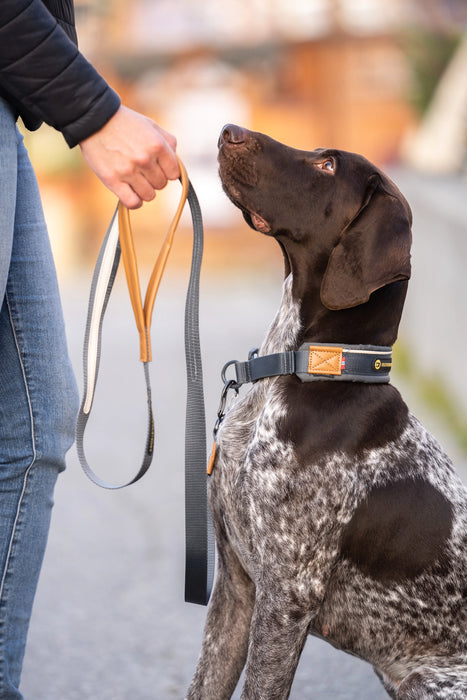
(277, 636)
(225, 640)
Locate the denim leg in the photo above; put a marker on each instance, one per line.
(38, 402)
(8, 177)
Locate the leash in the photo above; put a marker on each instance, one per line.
(118, 243)
(369, 364)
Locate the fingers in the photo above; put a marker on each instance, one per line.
(147, 170)
(132, 156)
(128, 197)
(167, 159)
(140, 183)
(156, 162)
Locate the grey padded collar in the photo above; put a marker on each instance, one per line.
(320, 362)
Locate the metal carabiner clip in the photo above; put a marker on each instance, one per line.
(228, 385)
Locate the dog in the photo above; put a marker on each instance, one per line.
(336, 513)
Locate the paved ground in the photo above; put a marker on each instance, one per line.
(110, 622)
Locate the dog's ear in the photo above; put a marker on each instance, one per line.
(374, 249)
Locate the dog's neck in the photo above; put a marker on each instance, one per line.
(286, 327)
(302, 317)
(373, 323)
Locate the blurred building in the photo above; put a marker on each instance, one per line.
(310, 73)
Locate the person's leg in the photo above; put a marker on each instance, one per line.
(8, 177)
(38, 404)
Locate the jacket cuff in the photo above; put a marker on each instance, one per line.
(103, 108)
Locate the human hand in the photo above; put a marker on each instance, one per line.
(133, 157)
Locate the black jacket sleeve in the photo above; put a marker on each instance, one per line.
(46, 78)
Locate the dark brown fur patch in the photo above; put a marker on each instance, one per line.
(399, 531)
(325, 418)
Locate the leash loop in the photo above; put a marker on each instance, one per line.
(118, 243)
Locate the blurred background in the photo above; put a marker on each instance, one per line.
(386, 78)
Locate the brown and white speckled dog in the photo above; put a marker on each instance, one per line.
(336, 513)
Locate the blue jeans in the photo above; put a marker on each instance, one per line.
(38, 396)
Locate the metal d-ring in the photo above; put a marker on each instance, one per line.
(224, 370)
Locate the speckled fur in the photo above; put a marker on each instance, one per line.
(280, 522)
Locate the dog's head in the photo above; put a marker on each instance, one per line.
(333, 209)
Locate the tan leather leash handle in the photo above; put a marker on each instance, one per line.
(143, 313)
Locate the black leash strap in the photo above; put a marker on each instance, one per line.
(118, 242)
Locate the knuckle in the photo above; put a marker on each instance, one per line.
(127, 170)
(144, 159)
(157, 147)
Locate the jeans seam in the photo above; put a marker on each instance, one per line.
(33, 440)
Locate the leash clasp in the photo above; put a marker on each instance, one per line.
(228, 385)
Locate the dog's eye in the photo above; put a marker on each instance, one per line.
(327, 164)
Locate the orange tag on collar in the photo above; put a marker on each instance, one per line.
(212, 459)
(325, 360)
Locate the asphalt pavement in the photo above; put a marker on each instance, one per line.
(109, 621)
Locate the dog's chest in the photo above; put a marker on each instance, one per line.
(259, 409)
(249, 474)
(248, 443)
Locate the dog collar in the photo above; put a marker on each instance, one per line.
(319, 362)
(370, 364)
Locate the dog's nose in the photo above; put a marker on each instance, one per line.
(231, 134)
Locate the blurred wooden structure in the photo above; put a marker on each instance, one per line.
(328, 82)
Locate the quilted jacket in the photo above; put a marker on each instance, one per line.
(44, 76)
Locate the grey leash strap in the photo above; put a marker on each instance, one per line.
(200, 548)
(199, 545)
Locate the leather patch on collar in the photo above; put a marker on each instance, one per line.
(325, 360)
